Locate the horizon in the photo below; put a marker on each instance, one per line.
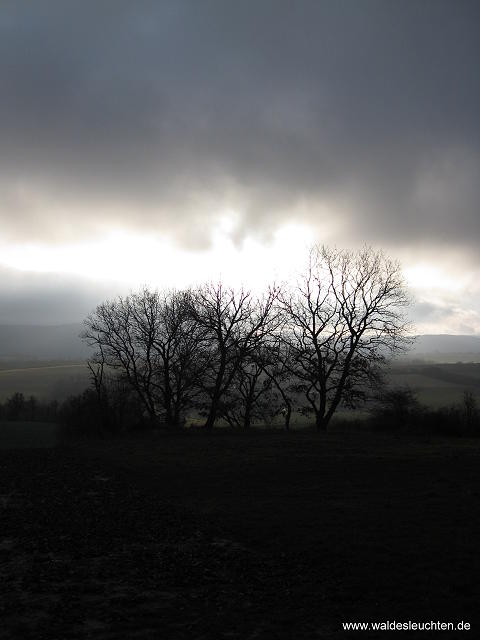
(80, 322)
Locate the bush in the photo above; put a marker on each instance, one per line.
(82, 414)
(17, 408)
(400, 409)
(459, 420)
(397, 408)
(90, 413)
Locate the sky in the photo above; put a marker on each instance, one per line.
(166, 142)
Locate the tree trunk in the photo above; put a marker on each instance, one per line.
(152, 414)
(247, 418)
(169, 419)
(212, 415)
(176, 418)
(320, 422)
(288, 415)
(216, 395)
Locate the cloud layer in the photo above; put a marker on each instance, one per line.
(160, 115)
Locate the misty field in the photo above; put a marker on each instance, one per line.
(437, 385)
(233, 535)
(46, 380)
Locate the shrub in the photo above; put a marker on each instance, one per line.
(91, 413)
(400, 409)
(18, 408)
(397, 408)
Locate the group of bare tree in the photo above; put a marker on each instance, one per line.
(228, 354)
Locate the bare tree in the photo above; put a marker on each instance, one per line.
(177, 345)
(344, 317)
(225, 350)
(275, 359)
(251, 396)
(112, 331)
(398, 406)
(233, 324)
(150, 339)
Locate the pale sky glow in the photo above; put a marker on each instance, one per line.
(135, 259)
(128, 261)
(169, 143)
(428, 278)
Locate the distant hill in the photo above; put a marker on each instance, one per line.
(61, 342)
(38, 342)
(446, 348)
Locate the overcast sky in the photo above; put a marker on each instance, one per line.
(159, 142)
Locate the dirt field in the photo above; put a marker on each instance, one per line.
(263, 535)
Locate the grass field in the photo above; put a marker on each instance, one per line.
(438, 385)
(44, 379)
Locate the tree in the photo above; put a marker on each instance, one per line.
(150, 340)
(275, 358)
(470, 413)
(177, 344)
(232, 325)
(250, 397)
(345, 315)
(399, 406)
(15, 406)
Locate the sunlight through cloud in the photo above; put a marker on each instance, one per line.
(134, 259)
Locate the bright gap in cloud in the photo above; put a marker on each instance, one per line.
(446, 295)
(135, 259)
(429, 277)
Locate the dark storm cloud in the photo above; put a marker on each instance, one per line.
(158, 115)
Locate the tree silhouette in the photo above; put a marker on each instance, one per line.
(233, 324)
(230, 354)
(150, 339)
(342, 319)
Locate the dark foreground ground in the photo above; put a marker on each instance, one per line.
(264, 535)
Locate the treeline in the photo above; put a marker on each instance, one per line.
(80, 413)
(396, 409)
(400, 409)
(226, 354)
(19, 408)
